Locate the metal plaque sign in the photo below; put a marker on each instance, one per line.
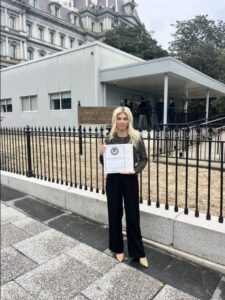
(93, 115)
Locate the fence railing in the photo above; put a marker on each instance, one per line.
(186, 139)
(71, 157)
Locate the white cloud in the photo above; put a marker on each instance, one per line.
(158, 15)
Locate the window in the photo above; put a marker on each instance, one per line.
(2, 18)
(52, 37)
(73, 18)
(62, 40)
(101, 27)
(29, 103)
(34, 3)
(29, 29)
(66, 100)
(60, 101)
(56, 11)
(30, 54)
(41, 33)
(71, 43)
(12, 22)
(92, 26)
(6, 105)
(2, 48)
(12, 50)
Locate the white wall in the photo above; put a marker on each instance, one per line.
(72, 71)
(76, 71)
(108, 58)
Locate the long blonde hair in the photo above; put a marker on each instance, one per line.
(134, 134)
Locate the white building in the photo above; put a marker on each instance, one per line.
(34, 28)
(45, 92)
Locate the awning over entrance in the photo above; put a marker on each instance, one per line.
(149, 76)
(165, 77)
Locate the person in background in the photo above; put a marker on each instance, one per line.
(141, 112)
(126, 103)
(135, 114)
(172, 112)
(123, 187)
(132, 107)
(148, 112)
(159, 111)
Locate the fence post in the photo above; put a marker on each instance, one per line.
(29, 172)
(80, 136)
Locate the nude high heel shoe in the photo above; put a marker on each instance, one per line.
(143, 262)
(120, 257)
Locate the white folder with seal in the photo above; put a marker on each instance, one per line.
(118, 158)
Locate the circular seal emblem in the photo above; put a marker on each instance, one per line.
(114, 151)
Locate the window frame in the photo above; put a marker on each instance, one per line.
(62, 40)
(29, 98)
(52, 36)
(57, 11)
(72, 41)
(30, 54)
(13, 47)
(6, 105)
(41, 33)
(60, 100)
(12, 17)
(29, 29)
(34, 3)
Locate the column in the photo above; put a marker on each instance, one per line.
(116, 2)
(186, 109)
(107, 3)
(207, 106)
(21, 50)
(24, 22)
(6, 46)
(6, 17)
(165, 112)
(20, 23)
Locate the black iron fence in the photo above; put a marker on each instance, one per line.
(71, 157)
(192, 142)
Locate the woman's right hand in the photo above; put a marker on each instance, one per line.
(102, 149)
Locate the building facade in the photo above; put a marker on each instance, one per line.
(46, 91)
(31, 29)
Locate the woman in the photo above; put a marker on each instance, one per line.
(125, 186)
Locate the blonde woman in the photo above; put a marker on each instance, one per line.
(124, 187)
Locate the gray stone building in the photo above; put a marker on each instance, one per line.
(31, 29)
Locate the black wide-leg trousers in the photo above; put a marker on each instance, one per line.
(121, 187)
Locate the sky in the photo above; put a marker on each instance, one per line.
(157, 15)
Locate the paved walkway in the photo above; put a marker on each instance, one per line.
(48, 253)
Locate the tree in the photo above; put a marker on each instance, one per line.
(200, 43)
(134, 40)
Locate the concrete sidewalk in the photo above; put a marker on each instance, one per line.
(48, 253)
